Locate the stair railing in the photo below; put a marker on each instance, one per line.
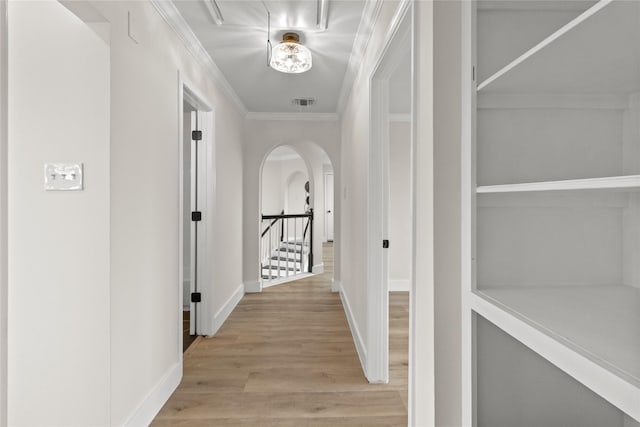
(286, 245)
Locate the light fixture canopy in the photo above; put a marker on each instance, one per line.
(290, 56)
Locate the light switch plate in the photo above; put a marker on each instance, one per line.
(63, 176)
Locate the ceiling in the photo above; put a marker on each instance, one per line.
(237, 44)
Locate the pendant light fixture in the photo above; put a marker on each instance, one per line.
(290, 56)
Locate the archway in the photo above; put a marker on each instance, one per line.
(293, 194)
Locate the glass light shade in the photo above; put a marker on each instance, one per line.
(290, 56)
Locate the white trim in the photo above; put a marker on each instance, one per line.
(253, 286)
(3, 210)
(360, 43)
(546, 42)
(399, 118)
(315, 117)
(172, 16)
(361, 349)
(318, 268)
(207, 203)
(147, 410)
(227, 308)
(336, 285)
(403, 285)
(201, 318)
(610, 182)
(467, 217)
(589, 101)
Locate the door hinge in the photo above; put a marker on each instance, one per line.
(473, 74)
(196, 297)
(385, 244)
(196, 135)
(196, 216)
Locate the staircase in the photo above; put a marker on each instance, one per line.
(286, 246)
(288, 259)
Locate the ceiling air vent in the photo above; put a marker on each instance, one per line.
(303, 102)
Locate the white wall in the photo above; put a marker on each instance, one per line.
(3, 213)
(399, 205)
(142, 224)
(435, 333)
(295, 200)
(58, 241)
(276, 177)
(272, 192)
(447, 158)
(146, 142)
(309, 138)
(354, 185)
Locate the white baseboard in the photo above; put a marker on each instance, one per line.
(399, 286)
(221, 315)
(253, 286)
(335, 285)
(357, 337)
(318, 268)
(157, 397)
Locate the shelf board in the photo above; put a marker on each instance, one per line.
(600, 42)
(612, 182)
(591, 333)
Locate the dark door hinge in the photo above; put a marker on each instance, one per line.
(196, 297)
(196, 135)
(385, 244)
(196, 216)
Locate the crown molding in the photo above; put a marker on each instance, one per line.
(315, 117)
(172, 16)
(360, 43)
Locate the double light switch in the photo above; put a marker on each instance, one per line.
(63, 176)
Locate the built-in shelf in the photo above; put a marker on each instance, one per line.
(602, 41)
(612, 182)
(592, 333)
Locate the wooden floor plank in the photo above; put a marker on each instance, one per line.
(285, 357)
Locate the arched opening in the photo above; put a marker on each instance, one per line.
(294, 238)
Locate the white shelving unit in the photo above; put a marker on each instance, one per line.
(553, 214)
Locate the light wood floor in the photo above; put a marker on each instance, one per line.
(285, 357)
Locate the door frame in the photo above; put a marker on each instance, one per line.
(398, 37)
(206, 203)
(3, 209)
(333, 209)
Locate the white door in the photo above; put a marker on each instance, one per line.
(328, 204)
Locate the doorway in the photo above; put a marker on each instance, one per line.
(196, 215)
(328, 206)
(391, 202)
(286, 230)
(189, 205)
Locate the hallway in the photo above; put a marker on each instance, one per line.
(285, 357)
